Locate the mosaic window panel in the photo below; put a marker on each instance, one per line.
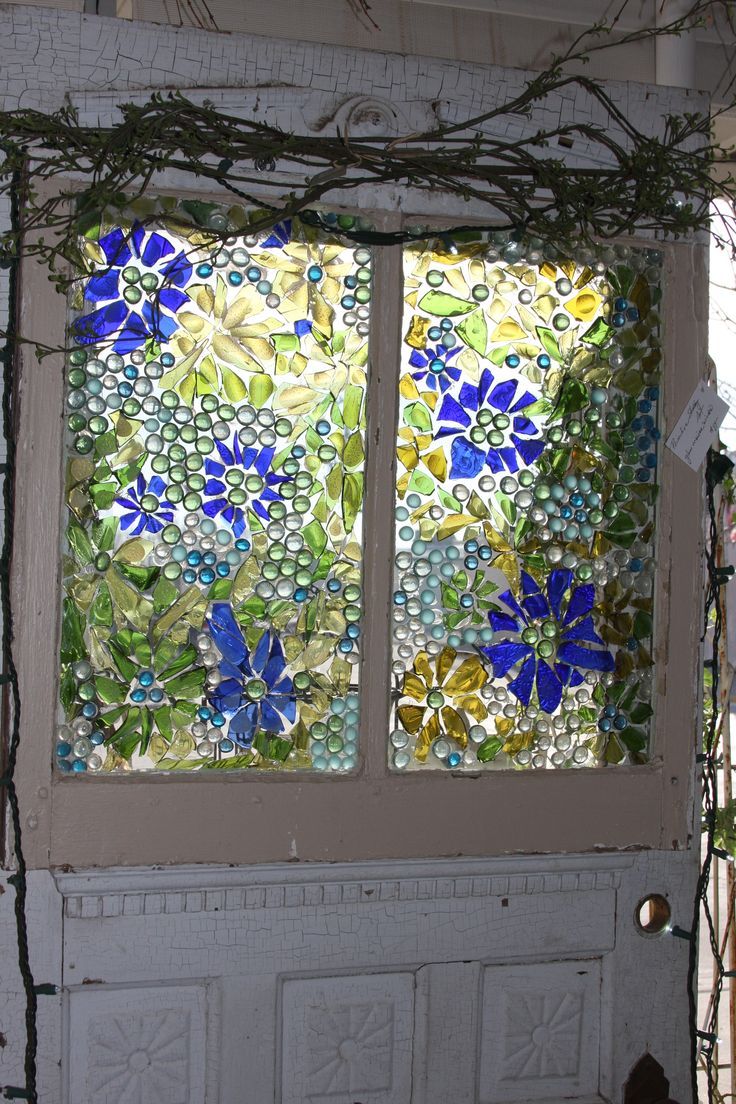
(212, 589)
(525, 498)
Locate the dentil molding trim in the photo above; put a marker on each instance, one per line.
(138, 891)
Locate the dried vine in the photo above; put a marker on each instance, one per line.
(657, 184)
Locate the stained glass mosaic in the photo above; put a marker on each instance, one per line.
(525, 507)
(212, 590)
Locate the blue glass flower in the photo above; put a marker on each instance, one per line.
(161, 274)
(557, 627)
(434, 366)
(254, 692)
(219, 488)
(145, 506)
(489, 427)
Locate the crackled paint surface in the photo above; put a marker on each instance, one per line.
(212, 557)
(527, 457)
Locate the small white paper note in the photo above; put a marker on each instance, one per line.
(697, 425)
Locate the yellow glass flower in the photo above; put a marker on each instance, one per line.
(434, 687)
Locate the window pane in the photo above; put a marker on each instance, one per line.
(212, 558)
(526, 484)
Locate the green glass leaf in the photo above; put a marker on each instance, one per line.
(598, 333)
(72, 633)
(642, 625)
(549, 342)
(79, 544)
(189, 685)
(199, 210)
(220, 590)
(67, 690)
(103, 533)
(573, 397)
(498, 356)
(445, 305)
(635, 739)
(421, 482)
(125, 666)
(103, 494)
(489, 749)
(106, 444)
(186, 657)
(450, 599)
(352, 402)
(474, 332)
(100, 612)
(235, 762)
(285, 342)
(141, 577)
(278, 748)
(164, 594)
(352, 498)
(110, 690)
(127, 738)
(315, 537)
(640, 712)
(260, 389)
(353, 453)
(622, 530)
(418, 416)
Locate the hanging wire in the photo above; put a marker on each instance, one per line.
(703, 1040)
(10, 261)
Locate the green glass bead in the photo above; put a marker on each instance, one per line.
(188, 433)
(480, 293)
(560, 322)
(301, 504)
(304, 558)
(255, 689)
(363, 275)
(484, 417)
(78, 356)
(335, 743)
(303, 577)
(254, 484)
(549, 629)
(86, 691)
(621, 494)
(501, 421)
(193, 462)
(335, 724)
(271, 572)
(530, 636)
(172, 571)
(435, 278)
(610, 510)
(84, 444)
(210, 403)
(363, 294)
(77, 377)
(170, 400)
(170, 432)
(131, 275)
(205, 445)
(495, 438)
(478, 435)
(352, 592)
(178, 473)
(149, 281)
(160, 464)
(352, 613)
(545, 648)
(301, 680)
(77, 422)
(192, 501)
(149, 503)
(226, 412)
(98, 424)
(574, 427)
(237, 496)
(318, 731)
(202, 421)
(435, 699)
(132, 295)
(175, 494)
(234, 477)
(626, 474)
(102, 561)
(276, 511)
